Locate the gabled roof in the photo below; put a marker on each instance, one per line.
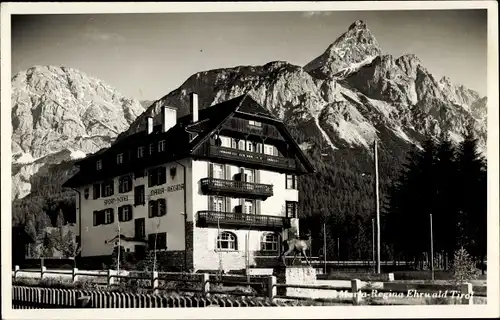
(185, 137)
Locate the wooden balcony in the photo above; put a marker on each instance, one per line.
(242, 220)
(242, 125)
(248, 157)
(236, 188)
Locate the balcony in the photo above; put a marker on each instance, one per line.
(242, 125)
(248, 157)
(242, 220)
(236, 188)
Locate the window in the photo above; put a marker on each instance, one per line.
(157, 240)
(291, 209)
(108, 188)
(248, 207)
(241, 145)
(227, 241)
(157, 176)
(139, 195)
(119, 158)
(217, 171)
(140, 152)
(291, 181)
(269, 242)
(161, 146)
(151, 148)
(157, 208)
(254, 123)
(96, 190)
(225, 142)
(105, 216)
(98, 165)
(109, 216)
(125, 213)
(250, 146)
(218, 204)
(124, 184)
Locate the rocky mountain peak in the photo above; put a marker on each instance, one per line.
(63, 112)
(356, 46)
(357, 24)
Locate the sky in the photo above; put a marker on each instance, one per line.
(145, 56)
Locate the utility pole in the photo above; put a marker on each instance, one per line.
(432, 248)
(373, 242)
(338, 249)
(377, 206)
(324, 248)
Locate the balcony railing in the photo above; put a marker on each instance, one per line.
(233, 187)
(252, 157)
(242, 220)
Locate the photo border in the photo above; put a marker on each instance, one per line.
(459, 311)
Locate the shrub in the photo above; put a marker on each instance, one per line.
(463, 266)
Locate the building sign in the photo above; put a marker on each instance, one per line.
(173, 188)
(115, 200)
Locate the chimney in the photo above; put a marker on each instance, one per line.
(149, 126)
(194, 106)
(169, 118)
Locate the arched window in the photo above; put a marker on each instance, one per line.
(269, 242)
(227, 241)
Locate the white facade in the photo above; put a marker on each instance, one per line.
(205, 254)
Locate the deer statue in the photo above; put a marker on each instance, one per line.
(297, 246)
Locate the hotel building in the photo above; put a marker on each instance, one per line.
(202, 190)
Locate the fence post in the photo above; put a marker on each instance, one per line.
(356, 291)
(74, 274)
(111, 280)
(154, 281)
(16, 270)
(43, 270)
(466, 291)
(205, 284)
(271, 287)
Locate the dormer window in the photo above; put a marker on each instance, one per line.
(254, 123)
(161, 146)
(140, 152)
(119, 158)
(98, 165)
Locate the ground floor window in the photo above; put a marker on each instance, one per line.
(227, 241)
(269, 242)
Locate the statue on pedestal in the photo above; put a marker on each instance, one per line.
(296, 245)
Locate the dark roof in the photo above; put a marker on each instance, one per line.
(185, 137)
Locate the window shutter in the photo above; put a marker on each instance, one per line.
(112, 216)
(101, 218)
(120, 214)
(210, 169)
(257, 207)
(150, 178)
(130, 212)
(112, 183)
(96, 217)
(228, 205)
(151, 208)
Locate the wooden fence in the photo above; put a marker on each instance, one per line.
(49, 298)
(207, 285)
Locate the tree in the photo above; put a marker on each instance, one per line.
(60, 222)
(68, 245)
(472, 196)
(463, 266)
